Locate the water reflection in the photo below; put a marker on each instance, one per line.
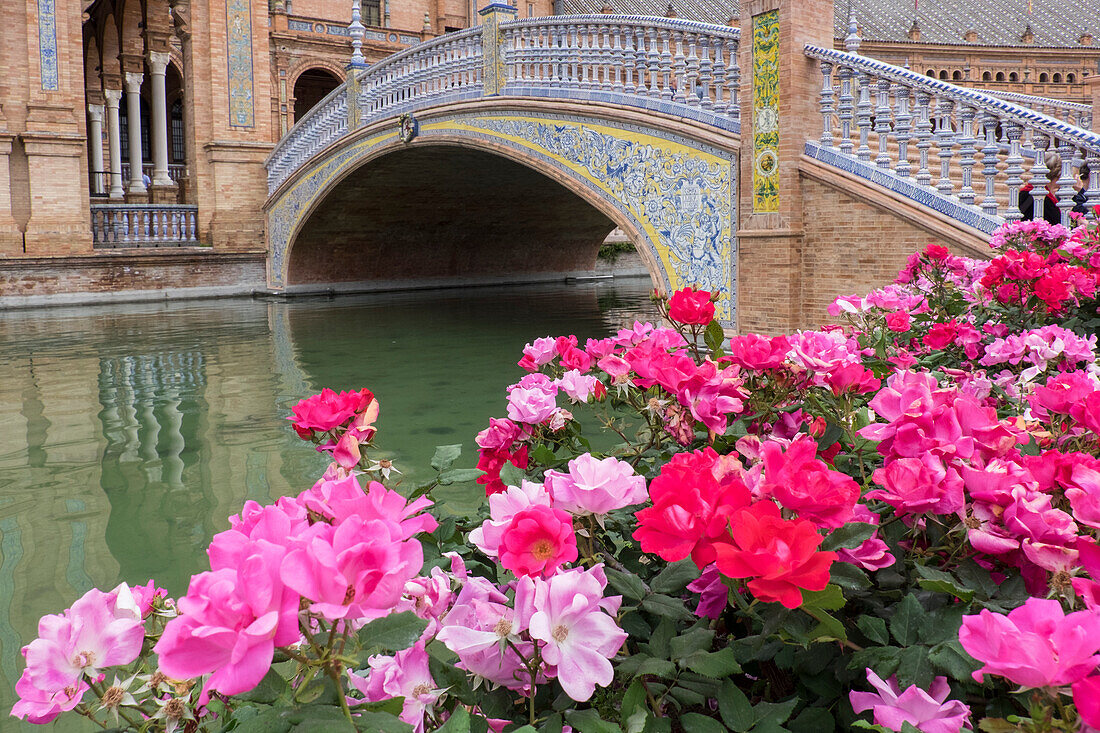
(129, 433)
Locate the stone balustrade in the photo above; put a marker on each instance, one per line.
(673, 66)
(959, 151)
(140, 225)
(1076, 114)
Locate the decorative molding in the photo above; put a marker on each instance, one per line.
(238, 26)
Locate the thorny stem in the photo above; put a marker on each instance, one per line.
(86, 712)
(335, 677)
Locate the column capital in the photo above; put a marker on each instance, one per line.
(133, 81)
(95, 111)
(114, 96)
(158, 62)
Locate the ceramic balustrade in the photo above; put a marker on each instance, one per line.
(973, 151)
(140, 225)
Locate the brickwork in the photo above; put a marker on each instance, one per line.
(446, 212)
(851, 248)
(125, 271)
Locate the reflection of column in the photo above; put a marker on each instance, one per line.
(133, 130)
(114, 144)
(158, 62)
(95, 139)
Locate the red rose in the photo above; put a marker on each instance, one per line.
(330, 410)
(693, 497)
(941, 335)
(780, 556)
(691, 306)
(936, 252)
(898, 321)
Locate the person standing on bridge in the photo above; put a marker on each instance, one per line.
(1051, 213)
(1080, 195)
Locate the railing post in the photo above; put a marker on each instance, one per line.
(781, 109)
(494, 75)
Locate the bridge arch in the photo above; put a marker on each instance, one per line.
(668, 184)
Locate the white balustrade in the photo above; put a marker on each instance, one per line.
(986, 146)
(140, 225)
(665, 64)
(1079, 115)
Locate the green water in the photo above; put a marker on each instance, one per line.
(129, 433)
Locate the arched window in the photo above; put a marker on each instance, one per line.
(943, 74)
(1000, 76)
(1057, 79)
(987, 76)
(957, 76)
(1071, 78)
(932, 73)
(1044, 78)
(179, 154)
(312, 86)
(1013, 76)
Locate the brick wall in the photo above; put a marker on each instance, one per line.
(445, 212)
(852, 247)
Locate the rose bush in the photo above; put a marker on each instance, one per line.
(887, 523)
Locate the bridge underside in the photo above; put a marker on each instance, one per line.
(445, 212)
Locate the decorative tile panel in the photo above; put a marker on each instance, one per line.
(493, 74)
(238, 25)
(47, 45)
(765, 110)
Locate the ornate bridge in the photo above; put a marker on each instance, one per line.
(597, 121)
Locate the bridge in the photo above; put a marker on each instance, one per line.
(777, 172)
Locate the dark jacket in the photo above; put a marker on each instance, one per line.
(1051, 213)
(1080, 202)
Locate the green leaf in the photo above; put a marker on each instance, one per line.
(271, 688)
(829, 598)
(828, 627)
(459, 722)
(633, 702)
(380, 722)
(666, 606)
(445, 456)
(675, 577)
(692, 640)
(874, 629)
(459, 476)
(774, 712)
(701, 723)
(637, 665)
(941, 582)
(849, 536)
(849, 577)
(510, 475)
(627, 584)
(714, 337)
(735, 708)
(657, 725)
(717, 665)
(541, 455)
(914, 667)
(905, 623)
(882, 659)
(390, 633)
(950, 658)
(589, 721)
(813, 720)
(997, 725)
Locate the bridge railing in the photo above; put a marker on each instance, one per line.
(644, 58)
(1074, 113)
(956, 149)
(666, 64)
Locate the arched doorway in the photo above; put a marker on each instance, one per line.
(312, 86)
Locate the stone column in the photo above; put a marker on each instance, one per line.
(95, 142)
(11, 239)
(775, 124)
(158, 63)
(133, 130)
(114, 143)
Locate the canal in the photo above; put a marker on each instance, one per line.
(128, 433)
